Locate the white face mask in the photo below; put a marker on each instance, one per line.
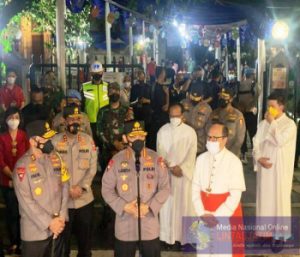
(13, 124)
(213, 147)
(127, 84)
(11, 80)
(175, 122)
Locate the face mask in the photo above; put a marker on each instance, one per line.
(231, 77)
(13, 123)
(127, 84)
(74, 128)
(273, 111)
(37, 106)
(213, 147)
(223, 103)
(48, 147)
(114, 98)
(175, 122)
(11, 80)
(195, 102)
(97, 77)
(138, 146)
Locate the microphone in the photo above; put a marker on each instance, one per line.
(137, 161)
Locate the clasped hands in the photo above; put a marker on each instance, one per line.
(132, 209)
(57, 225)
(176, 171)
(209, 219)
(75, 192)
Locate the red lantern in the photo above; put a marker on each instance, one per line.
(95, 11)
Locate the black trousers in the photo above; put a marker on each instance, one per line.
(251, 128)
(80, 221)
(12, 215)
(43, 248)
(149, 248)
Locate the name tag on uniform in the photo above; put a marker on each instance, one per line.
(35, 175)
(62, 151)
(148, 169)
(124, 170)
(84, 150)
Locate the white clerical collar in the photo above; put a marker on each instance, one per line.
(220, 154)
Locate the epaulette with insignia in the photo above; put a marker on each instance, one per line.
(161, 162)
(110, 165)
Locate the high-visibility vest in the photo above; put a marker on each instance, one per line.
(95, 98)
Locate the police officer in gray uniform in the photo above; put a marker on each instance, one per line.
(79, 153)
(232, 118)
(196, 114)
(42, 193)
(119, 190)
(59, 123)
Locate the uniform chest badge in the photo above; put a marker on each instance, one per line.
(32, 167)
(148, 164)
(124, 177)
(125, 187)
(124, 164)
(150, 176)
(38, 191)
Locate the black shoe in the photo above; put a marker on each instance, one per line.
(277, 246)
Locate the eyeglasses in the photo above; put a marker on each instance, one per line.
(214, 138)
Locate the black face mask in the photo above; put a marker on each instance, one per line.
(37, 106)
(223, 103)
(114, 98)
(138, 146)
(74, 128)
(48, 147)
(97, 77)
(195, 102)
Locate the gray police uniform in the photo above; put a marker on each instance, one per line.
(235, 122)
(119, 187)
(59, 124)
(80, 155)
(41, 194)
(198, 118)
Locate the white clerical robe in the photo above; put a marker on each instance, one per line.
(216, 176)
(276, 141)
(178, 146)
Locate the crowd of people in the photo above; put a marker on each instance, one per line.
(187, 136)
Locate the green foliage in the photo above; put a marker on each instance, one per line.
(8, 34)
(43, 16)
(77, 26)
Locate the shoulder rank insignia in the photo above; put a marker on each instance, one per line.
(110, 165)
(21, 173)
(161, 162)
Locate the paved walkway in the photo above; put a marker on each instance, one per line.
(103, 239)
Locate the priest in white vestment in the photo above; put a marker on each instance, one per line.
(274, 152)
(177, 144)
(217, 188)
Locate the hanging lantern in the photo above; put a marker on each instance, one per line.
(110, 18)
(95, 11)
(117, 15)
